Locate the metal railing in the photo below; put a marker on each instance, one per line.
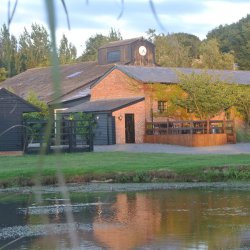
(64, 135)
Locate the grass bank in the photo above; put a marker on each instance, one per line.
(123, 167)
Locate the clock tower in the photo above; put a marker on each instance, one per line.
(136, 51)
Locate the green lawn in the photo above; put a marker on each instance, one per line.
(123, 167)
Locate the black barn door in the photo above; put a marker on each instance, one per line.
(130, 128)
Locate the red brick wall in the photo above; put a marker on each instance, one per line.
(119, 85)
(138, 110)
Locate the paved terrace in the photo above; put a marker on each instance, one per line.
(239, 148)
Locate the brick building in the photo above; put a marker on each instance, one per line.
(114, 89)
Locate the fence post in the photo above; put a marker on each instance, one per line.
(224, 126)
(70, 135)
(208, 127)
(25, 138)
(91, 138)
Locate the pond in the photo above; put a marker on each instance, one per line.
(161, 219)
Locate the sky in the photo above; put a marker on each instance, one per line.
(131, 17)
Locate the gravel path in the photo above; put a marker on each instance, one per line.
(239, 148)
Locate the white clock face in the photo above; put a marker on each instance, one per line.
(142, 51)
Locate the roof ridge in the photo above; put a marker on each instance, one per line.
(113, 43)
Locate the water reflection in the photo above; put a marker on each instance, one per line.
(172, 219)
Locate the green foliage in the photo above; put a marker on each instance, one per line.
(31, 50)
(235, 38)
(67, 51)
(85, 123)
(33, 99)
(8, 50)
(35, 128)
(190, 42)
(169, 94)
(94, 42)
(169, 52)
(242, 94)
(206, 95)
(212, 58)
(243, 134)
(40, 46)
(3, 74)
(174, 50)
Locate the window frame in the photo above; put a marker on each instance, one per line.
(162, 106)
(113, 56)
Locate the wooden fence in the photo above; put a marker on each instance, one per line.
(191, 133)
(64, 135)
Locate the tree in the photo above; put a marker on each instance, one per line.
(243, 102)
(5, 48)
(40, 46)
(3, 74)
(174, 50)
(169, 52)
(24, 52)
(13, 63)
(212, 58)
(235, 37)
(33, 99)
(169, 94)
(67, 51)
(114, 35)
(8, 52)
(190, 42)
(94, 42)
(206, 96)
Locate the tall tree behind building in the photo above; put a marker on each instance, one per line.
(8, 52)
(30, 50)
(210, 57)
(94, 42)
(174, 50)
(67, 51)
(235, 38)
(40, 46)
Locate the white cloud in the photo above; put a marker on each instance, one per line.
(197, 17)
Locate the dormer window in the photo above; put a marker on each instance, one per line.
(114, 56)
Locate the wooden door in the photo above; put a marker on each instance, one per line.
(129, 128)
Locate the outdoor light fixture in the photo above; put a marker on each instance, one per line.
(97, 117)
(120, 117)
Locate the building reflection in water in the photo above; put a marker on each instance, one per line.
(181, 219)
(134, 222)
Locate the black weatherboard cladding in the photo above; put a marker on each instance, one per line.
(12, 108)
(104, 132)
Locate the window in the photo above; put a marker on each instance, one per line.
(189, 110)
(114, 56)
(162, 106)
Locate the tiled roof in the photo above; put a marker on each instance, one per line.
(107, 105)
(76, 79)
(169, 75)
(39, 80)
(27, 107)
(120, 42)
